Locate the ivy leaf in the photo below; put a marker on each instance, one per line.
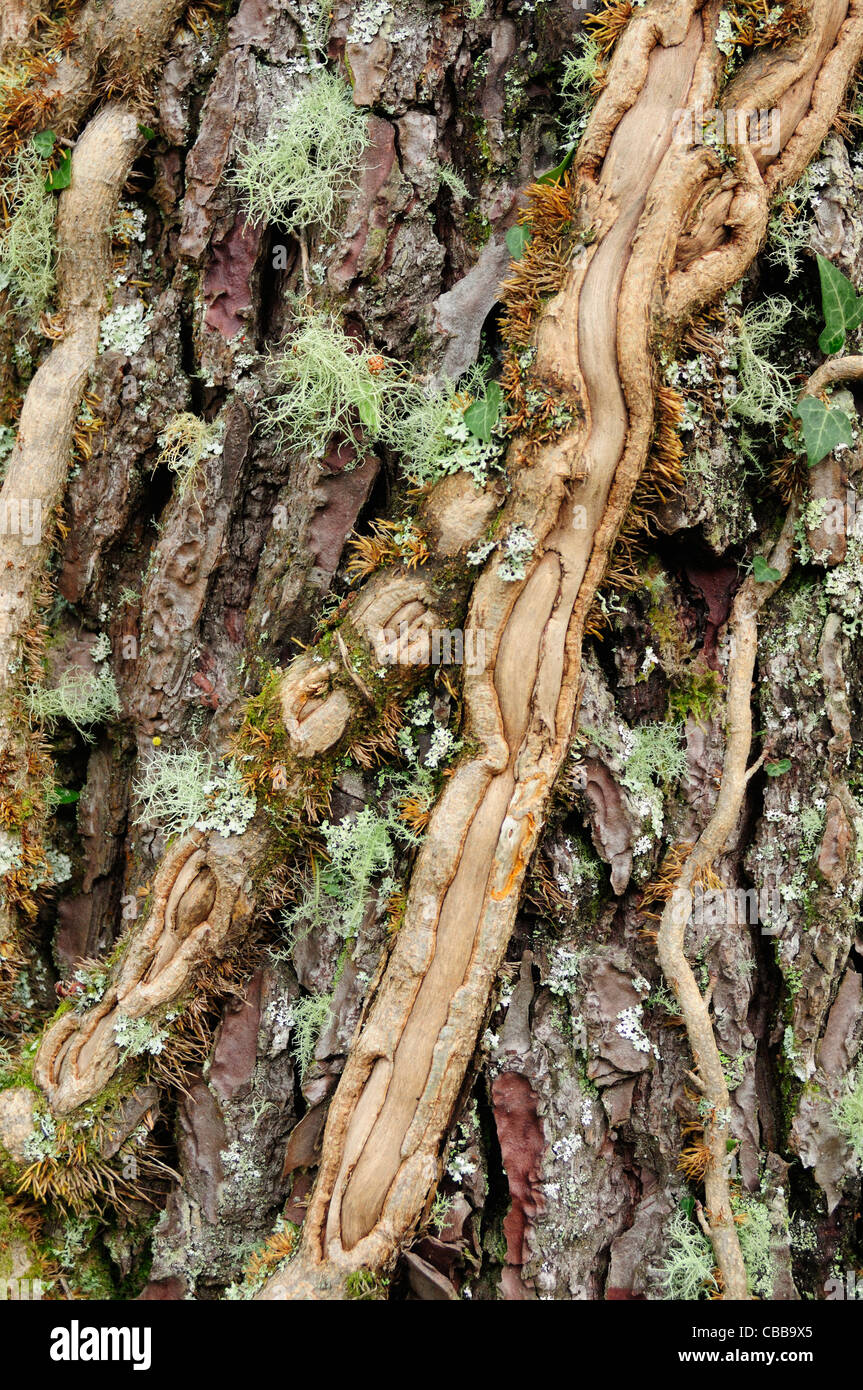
(823, 428)
(62, 175)
(43, 143)
(556, 174)
(61, 796)
(369, 412)
(778, 769)
(763, 573)
(482, 416)
(843, 307)
(517, 239)
(147, 131)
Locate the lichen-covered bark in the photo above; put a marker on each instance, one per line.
(496, 1030)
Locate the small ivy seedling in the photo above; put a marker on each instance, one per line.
(556, 174)
(517, 240)
(60, 177)
(43, 143)
(778, 769)
(763, 573)
(482, 417)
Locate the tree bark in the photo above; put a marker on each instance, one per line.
(204, 591)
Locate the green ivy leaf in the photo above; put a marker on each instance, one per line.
(61, 796)
(778, 769)
(843, 307)
(147, 131)
(517, 239)
(43, 143)
(763, 573)
(823, 428)
(369, 412)
(556, 174)
(482, 416)
(62, 175)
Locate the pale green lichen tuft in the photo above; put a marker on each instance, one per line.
(301, 171)
(765, 391)
(309, 1015)
(80, 698)
(327, 384)
(27, 254)
(181, 788)
(688, 1266)
(184, 443)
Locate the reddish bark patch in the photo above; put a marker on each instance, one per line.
(295, 1207)
(345, 495)
(717, 587)
(836, 843)
(253, 23)
(226, 284)
(522, 1144)
(371, 208)
(304, 1142)
(236, 1049)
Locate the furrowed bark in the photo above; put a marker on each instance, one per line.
(673, 229)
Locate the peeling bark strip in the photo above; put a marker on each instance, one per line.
(673, 231)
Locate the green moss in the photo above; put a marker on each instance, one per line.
(18, 1070)
(19, 1251)
(696, 694)
(365, 1284)
(77, 1249)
